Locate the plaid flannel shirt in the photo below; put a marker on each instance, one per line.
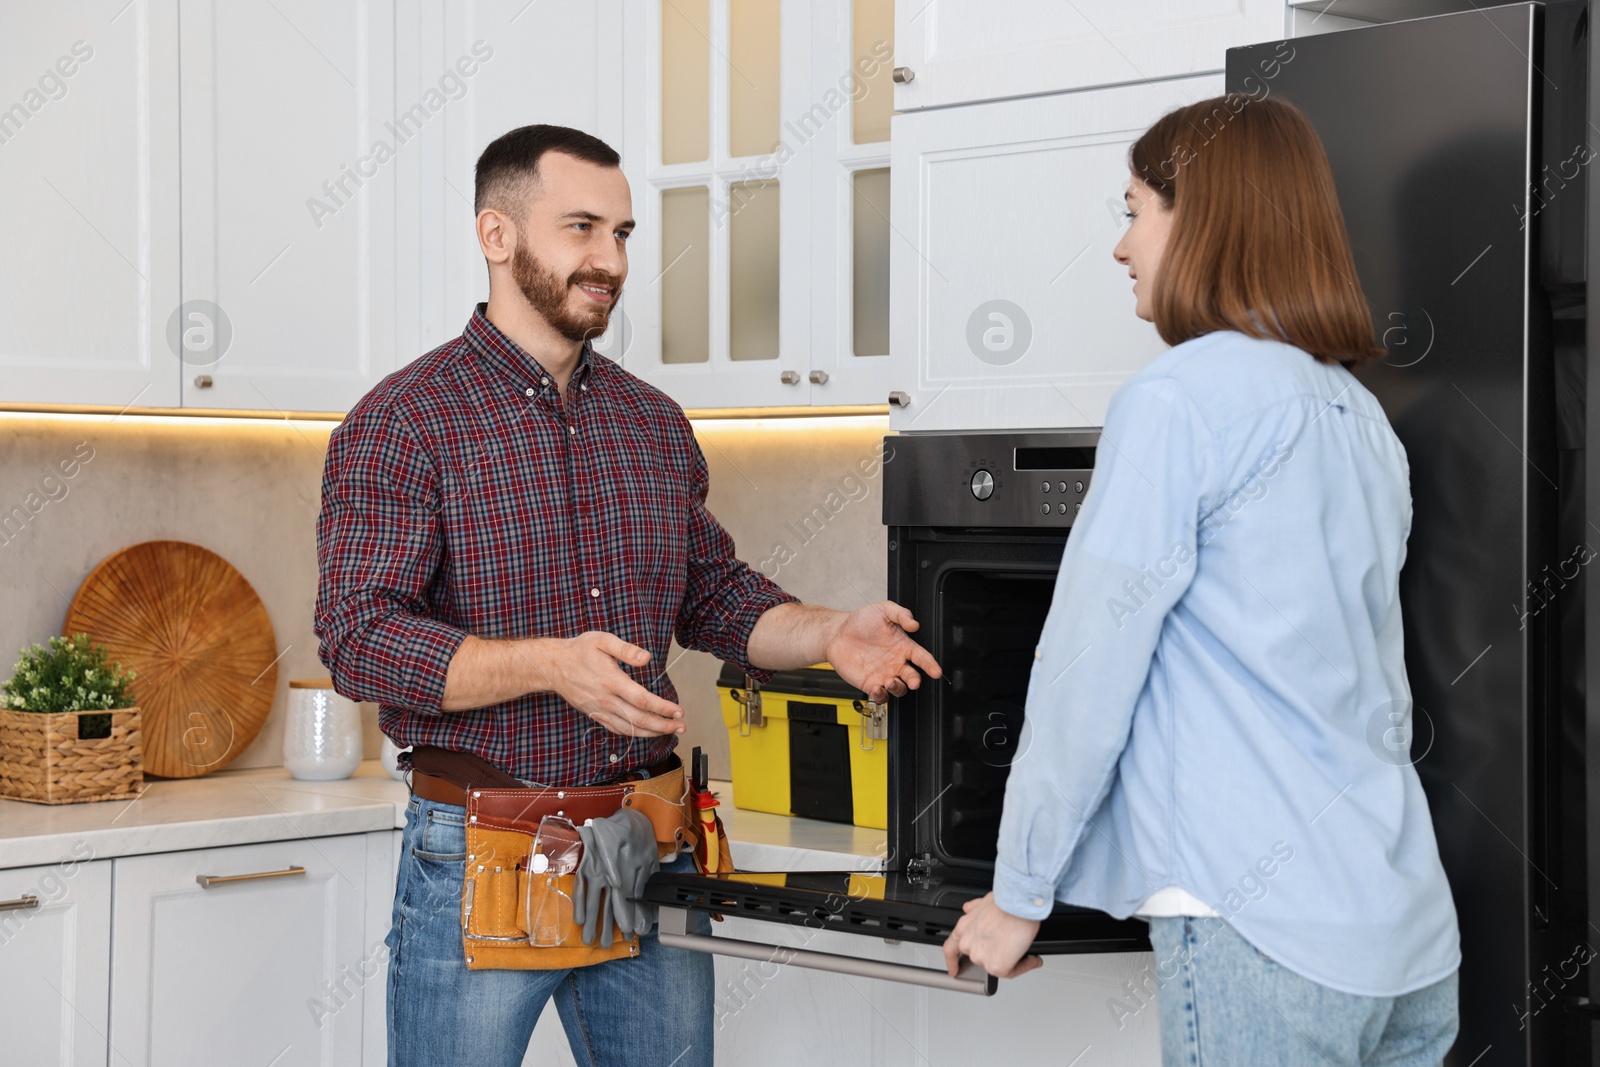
(461, 496)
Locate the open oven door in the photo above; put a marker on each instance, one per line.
(978, 571)
(894, 906)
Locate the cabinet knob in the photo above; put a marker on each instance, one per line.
(819, 377)
(899, 399)
(790, 377)
(902, 75)
(202, 381)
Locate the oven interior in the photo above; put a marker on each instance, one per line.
(982, 597)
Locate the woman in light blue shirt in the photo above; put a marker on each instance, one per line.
(1218, 704)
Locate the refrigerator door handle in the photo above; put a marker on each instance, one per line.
(673, 931)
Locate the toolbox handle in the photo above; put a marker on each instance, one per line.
(874, 722)
(749, 703)
(673, 931)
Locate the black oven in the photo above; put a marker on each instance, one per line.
(977, 524)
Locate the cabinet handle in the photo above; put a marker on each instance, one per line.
(819, 377)
(203, 381)
(903, 75)
(899, 399)
(208, 880)
(790, 377)
(24, 903)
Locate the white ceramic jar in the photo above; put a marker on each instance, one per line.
(322, 735)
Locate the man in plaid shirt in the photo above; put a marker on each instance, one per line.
(513, 529)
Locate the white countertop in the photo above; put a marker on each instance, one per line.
(266, 804)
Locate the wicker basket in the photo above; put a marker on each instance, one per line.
(42, 759)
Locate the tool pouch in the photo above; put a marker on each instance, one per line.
(515, 918)
(507, 909)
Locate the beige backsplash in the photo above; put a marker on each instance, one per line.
(792, 493)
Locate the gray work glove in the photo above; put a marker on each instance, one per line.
(619, 856)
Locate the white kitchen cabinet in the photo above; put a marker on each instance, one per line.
(786, 1015)
(1007, 310)
(89, 180)
(383, 865)
(848, 364)
(54, 958)
(531, 63)
(291, 144)
(783, 1015)
(734, 189)
(1078, 1010)
(960, 52)
(259, 969)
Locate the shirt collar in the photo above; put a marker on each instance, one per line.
(485, 338)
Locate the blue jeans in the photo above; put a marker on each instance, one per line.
(1225, 1003)
(655, 1007)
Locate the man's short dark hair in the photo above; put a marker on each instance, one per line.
(510, 165)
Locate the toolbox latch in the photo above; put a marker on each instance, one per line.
(749, 702)
(874, 722)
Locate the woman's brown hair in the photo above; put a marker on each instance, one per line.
(1258, 243)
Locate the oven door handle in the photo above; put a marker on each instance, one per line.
(673, 931)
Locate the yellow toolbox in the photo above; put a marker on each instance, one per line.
(807, 743)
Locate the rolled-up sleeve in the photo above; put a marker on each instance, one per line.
(1131, 556)
(379, 546)
(724, 596)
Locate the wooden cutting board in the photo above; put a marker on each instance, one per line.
(199, 639)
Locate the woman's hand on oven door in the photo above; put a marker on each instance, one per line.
(992, 938)
(872, 650)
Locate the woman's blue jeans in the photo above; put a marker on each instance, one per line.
(1225, 1003)
(652, 1008)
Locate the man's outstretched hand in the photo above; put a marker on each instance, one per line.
(872, 650)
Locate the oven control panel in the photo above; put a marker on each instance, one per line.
(1036, 479)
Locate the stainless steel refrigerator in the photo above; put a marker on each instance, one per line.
(1461, 147)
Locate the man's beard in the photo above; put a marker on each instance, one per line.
(547, 294)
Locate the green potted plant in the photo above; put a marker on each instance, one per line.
(69, 730)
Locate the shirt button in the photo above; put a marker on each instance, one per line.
(1038, 902)
(542, 381)
(1038, 652)
(612, 757)
(583, 388)
(572, 429)
(527, 392)
(594, 592)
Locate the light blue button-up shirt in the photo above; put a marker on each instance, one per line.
(1219, 697)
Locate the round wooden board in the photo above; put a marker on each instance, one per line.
(199, 639)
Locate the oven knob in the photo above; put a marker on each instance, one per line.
(983, 485)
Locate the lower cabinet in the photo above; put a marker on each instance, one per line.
(55, 941)
(287, 969)
(1076, 1010)
(783, 1015)
(262, 953)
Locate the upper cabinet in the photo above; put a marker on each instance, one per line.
(755, 138)
(1009, 310)
(504, 64)
(269, 206)
(956, 52)
(89, 180)
(291, 143)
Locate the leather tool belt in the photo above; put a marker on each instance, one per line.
(515, 917)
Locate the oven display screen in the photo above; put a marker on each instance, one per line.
(1054, 459)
